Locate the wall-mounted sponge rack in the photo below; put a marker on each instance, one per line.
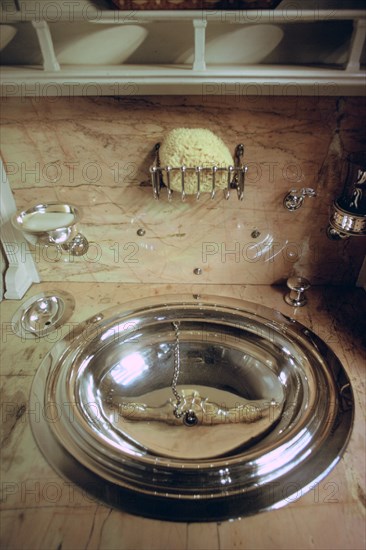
(235, 176)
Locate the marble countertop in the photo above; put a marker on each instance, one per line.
(40, 510)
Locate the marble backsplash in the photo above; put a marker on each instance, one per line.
(95, 153)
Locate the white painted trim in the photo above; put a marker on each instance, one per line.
(50, 62)
(93, 12)
(21, 272)
(199, 44)
(134, 80)
(3, 265)
(357, 42)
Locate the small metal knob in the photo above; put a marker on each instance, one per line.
(296, 296)
(78, 246)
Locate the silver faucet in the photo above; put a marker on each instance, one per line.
(296, 296)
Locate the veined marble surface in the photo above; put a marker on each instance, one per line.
(96, 152)
(40, 510)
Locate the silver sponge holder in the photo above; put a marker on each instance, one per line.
(235, 176)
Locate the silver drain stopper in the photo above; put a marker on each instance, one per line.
(190, 418)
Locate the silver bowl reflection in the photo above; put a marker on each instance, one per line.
(262, 408)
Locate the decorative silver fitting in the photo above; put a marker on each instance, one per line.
(294, 199)
(343, 224)
(78, 246)
(296, 296)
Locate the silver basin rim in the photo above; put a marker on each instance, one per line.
(193, 490)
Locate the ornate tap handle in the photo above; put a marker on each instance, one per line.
(294, 199)
(198, 411)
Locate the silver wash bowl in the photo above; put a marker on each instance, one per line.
(192, 408)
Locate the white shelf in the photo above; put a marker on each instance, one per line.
(96, 11)
(176, 80)
(196, 78)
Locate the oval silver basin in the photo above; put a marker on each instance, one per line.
(193, 408)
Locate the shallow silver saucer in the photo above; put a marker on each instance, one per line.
(43, 313)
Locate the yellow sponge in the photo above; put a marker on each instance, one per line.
(193, 147)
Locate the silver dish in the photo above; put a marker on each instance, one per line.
(61, 220)
(272, 408)
(52, 224)
(42, 314)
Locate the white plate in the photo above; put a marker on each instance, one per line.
(7, 33)
(108, 46)
(249, 44)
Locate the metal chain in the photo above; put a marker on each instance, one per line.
(189, 416)
(178, 397)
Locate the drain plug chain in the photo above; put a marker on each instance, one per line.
(189, 417)
(176, 372)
